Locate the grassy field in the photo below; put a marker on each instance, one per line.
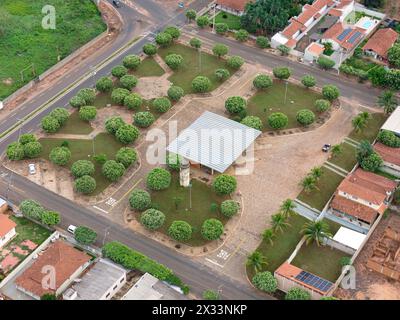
(202, 198)
(192, 67)
(28, 230)
(231, 20)
(371, 130)
(283, 245)
(31, 48)
(148, 68)
(102, 100)
(326, 186)
(347, 159)
(83, 150)
(263, 103)
(75, 125)
(323, 261)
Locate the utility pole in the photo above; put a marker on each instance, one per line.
(286, 90)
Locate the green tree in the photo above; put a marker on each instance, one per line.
(316, 173)
(224, 184)
(127, 134)
(325, 63)
(174, 61)
(31, 209)
(140, 200)
(242, 35)
(284, 50)
(316, 231)
(152, 219)
(257, 261)
(133, 101)
(163, 39)
(220, 50)
(191, 15)
(263, 42)
(336, 150)
(77, 102)
(221, 28)
(88, 95)
(388, 138)
(394, 55)
(222, 74)
(229, 208)
(235, 104)
(119, 71)
(143, 119)
(180, 231)
(364, 150)
(212, 229)
(26, 138)
(173, 31)
(210, 295)
(128, 82)
(162, 104)
(60, 156)
(372, 162)
(308, 81)
(85, 184)
(308, 184)
(203, 21)
(50, 218)
(126, 156)
(175, 93)
(50, 124)
(287, 208)
(131, 61)
(265, 281)
(174, 161)
(359, 123)
(85, 235)
(113, 170)
(201, 84)
(104, 84)
(61, 114)
(278, 120)
(279, 222)
(268, 235)
(15, 151)
(32, 149)
(305, 117)
(87, 113)
(82, 168)
(149, 49)
(253, 122)
(195, 43)
(322, 105)
(112, 124)
(282, 73)
(388, 101)
(158, 179)
(118, 96)
(297, 294)
(330, 92)
(262, 82)
(235, 62)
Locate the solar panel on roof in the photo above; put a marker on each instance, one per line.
(314, 281)
(354, 37)
(344, 34)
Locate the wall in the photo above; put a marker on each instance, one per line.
(7, 237)
(360, 8)
(286, 284)
(339, 246)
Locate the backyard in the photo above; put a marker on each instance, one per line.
(371, 130)
(33, 49)
(202, 196)
(263, 103)
(347, 158)
(231, 20)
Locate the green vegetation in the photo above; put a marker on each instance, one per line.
(371, 130)
(346, 159)
(148, 68)
(231, 20)
(75, 125)
(28, 230)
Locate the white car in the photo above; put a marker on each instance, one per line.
(71, 229)
(32, 169)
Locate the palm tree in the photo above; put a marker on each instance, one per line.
(336, 150)
(308, 184)
(279, 222)
(358, 123)
(365, 115)
(387, 100)
(268, 236)
(287, 207)
(315, 231)
(316, 172)
(256, 260)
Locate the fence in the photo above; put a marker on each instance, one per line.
(361, 8)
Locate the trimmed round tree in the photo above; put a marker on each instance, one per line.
(31, 209)
(131, 62)
(113, 170)
(175, 93)
(163, 39)
(265, 281)
(220, 50)
(133, 101)
(322, 105)
(325, 63)
(203, 21)
(88, 95)
(162, 104)
(252, 122)
(50, 218)
(174, 61)
(191, 14)
(82, 168)
(50, 124)
(201, 84)
(85, 184)
(224, 184)
(15, 151)
(173, 31)
(174, 161)
(212, 229)
(262, 81)
(263, 42)
(127, 134)
(308, 81)
(305, 117)
(180, 231)
(143, 119)
(32, 149)
(158, 179)
(195, 43)
(119, 71)
(118, 96)
(61, 114)
(112, 124)
(222, 74)
(126, 156)
(128, 81)
(242, 35)
(60, 156)
(278, 120)
(297, 294)
(235, 62)
(87, 113)
(330, 92)
(221, 28)
(85, 235)
(229, 208)
(140, 200)
(149, 49)
(26, 138)
(235, 104)
(152, 219)
(104, 84)
(282, 73)
(77, 102)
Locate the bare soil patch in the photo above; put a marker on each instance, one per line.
(152, 87)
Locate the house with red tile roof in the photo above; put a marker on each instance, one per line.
(345, 37)
(313, 51)
(380, 43)
(390, 157)
(236, 7)
(7, 229)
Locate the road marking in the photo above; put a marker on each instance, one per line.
(224, 255)
(214, 262)
(129, 191)
(100, 209)
(111, 202)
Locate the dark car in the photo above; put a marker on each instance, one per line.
(117, 3)
(326, 147)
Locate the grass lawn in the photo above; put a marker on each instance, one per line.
(83, 150)
(202, 198)
(263, 103)
(191, 67)
(148, 68)
(231, 20)
(347, 159)
(326, 185)
(283, 245)
(27, 47)
(75, 125)
(371, 130)
(323, 261)
(102, 100)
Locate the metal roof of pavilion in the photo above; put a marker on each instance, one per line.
(393, 122)
(214, 141)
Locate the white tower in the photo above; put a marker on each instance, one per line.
(184, 173)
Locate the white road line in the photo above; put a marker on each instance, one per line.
(100, 209)
(216, 263)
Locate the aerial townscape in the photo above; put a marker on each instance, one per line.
(225, 150)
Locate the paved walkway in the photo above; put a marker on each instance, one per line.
(306, 211)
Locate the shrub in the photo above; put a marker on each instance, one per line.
(305, 117)
(278, 120)
(263, 42)
(221, 28)
(48, 296)
(191, 14)
(31, 209)
(195, 43)
(140, 200)
(50, 218)
(345, 261)
(143, 119)
(325, 63)
(174, 32)
(297, 294)
(265, 281)
(118, 96)
(131, 62)
(322, 105)
(61, 114)
(162, 104)
(212, 229)
(163, 39)
(210, 295)
(262, 81)
(229, 208)
(203, 21)
(112, 124)
(32, 149)
(133, 101)
(222, 74)
(50, 124)
(388, 138)
(126, 156)
(128, 81)
(88, 95)
(235, 62)
(60, 156)
(241, 35)
(235, 104)
(252, 122)
(119, 71)
(372, 162)
(174, 61)
(85, 235)
(77, 102)
(282, 73)
(180, 231)
(100, 158)
(175, 93)
(104, 84)
(113, 170)
(158, 179)
(330, 92)
(308, 81)
(26, 138)
(201, 84)
(87, 113)
(152, 219)
(15, 151)
(224, 184)
(284, 50)
(220, 50)
(127, 134)
(82, 168)
(174, 161)
(150, 49)
(85, 184)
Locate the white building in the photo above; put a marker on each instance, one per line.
(7, 229)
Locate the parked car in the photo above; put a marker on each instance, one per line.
(32, 169)
(326, 147)
(71, 229)
(117, 3)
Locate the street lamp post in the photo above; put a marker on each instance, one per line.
(286, 90)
